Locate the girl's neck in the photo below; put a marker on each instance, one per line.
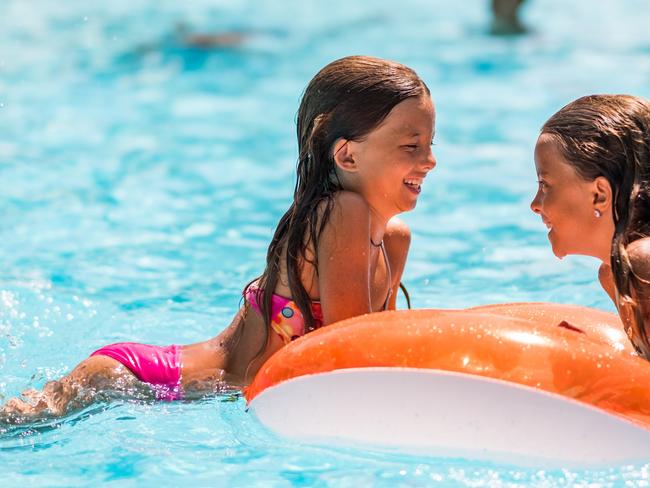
(605, 253)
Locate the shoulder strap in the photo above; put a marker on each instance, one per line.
(390, 276)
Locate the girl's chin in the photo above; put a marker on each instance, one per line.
(405, 207)
(559, 252)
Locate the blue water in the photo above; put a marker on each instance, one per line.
(141, 179)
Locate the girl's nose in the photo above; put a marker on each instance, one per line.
(430, 162)
(535, 204)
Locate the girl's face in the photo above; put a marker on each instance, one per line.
(392, 160)
(567, 204)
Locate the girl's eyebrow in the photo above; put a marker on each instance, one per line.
(415, 133)
(407, 133)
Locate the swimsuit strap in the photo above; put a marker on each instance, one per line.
(390, 276)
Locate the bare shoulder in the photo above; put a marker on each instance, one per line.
(397, 240)
(398, 231)
(350, 204)
(348, 222)
(350, 214)
(639, 253)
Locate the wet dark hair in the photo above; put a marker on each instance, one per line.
(609, 136)
(347, 99)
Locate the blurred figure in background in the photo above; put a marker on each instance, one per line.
(208, 40)
(505, 18)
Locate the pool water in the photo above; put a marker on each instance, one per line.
(141, 179)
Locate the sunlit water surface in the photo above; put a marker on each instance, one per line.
(141, 179)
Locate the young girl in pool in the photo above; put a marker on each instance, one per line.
(593, 166)
(365, 127)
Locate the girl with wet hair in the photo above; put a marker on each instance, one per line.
(365, 128)
(593, 166)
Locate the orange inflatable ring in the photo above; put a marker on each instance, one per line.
(576, 352)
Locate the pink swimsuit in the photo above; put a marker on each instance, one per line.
(159, 366)
(286, 318)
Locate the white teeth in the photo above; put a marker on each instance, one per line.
(413, 181)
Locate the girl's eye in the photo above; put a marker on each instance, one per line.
(542, 184)
(410, 147)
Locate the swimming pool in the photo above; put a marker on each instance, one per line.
(141, 180)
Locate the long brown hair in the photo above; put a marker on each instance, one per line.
(609, 136)
(346, 99)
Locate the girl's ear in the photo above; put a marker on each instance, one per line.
(343, 156)
(602, 194)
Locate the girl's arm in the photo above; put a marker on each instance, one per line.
(344, 259)
(397, 241)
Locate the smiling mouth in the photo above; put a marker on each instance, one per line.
(414, 184)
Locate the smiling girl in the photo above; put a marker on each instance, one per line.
(593, 165)
(365, 127)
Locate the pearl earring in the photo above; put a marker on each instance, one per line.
(597, 213)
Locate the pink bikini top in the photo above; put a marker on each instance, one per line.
(286, 318)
